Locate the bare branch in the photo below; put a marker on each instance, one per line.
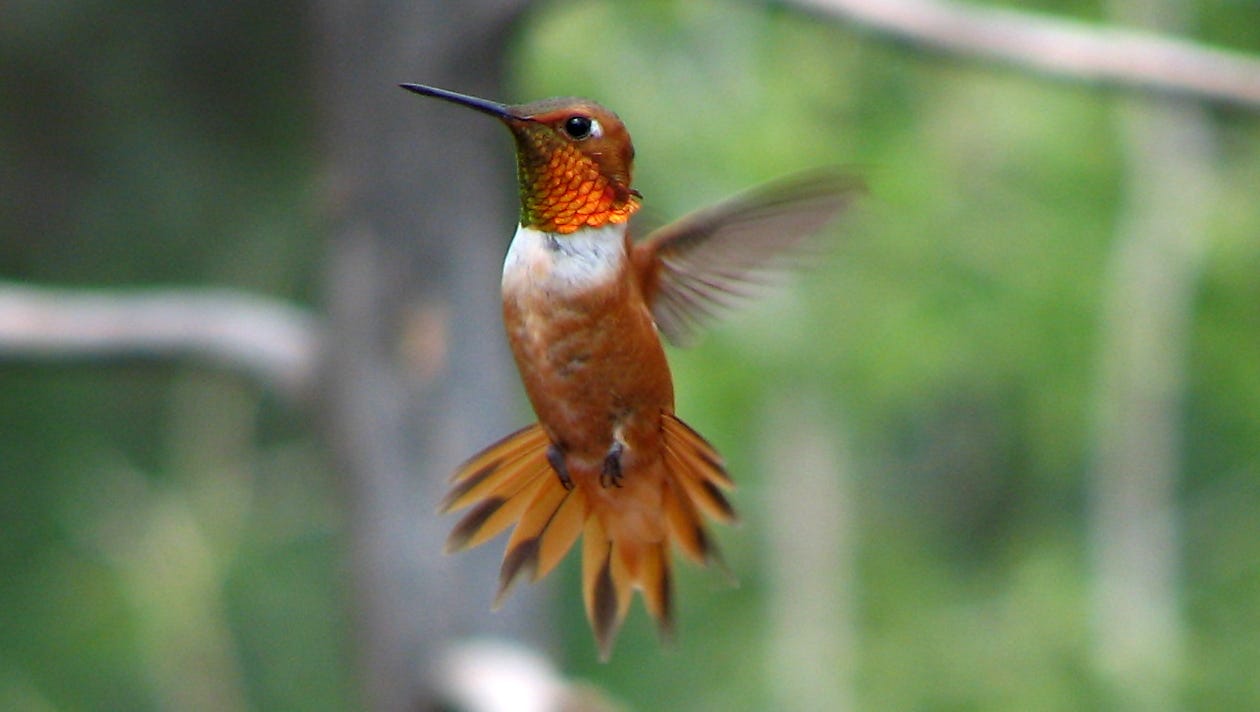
(272, 341)
(1062, 48)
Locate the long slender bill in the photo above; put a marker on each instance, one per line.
(485, 106)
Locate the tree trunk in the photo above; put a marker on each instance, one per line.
(417, 374)
(810, 557)
(1143, 351)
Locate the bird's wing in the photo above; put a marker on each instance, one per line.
(716, 258)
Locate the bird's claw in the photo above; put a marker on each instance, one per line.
(610, 476)
(555, 456)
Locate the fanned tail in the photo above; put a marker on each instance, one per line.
(611, 571)
(500, 480)
(512, 482)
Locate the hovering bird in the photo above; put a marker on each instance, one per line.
(585, 308)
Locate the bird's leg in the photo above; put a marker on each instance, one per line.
(555, 456)
(611, 474)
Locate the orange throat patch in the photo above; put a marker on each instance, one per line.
(567, 192)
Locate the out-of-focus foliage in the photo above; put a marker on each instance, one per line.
(169, 538)
(151, 513)
(956, 327)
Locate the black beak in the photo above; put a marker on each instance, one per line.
(485, 106)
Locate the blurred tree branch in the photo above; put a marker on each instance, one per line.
(1074, 50)
(274, 342)
(1154, 276)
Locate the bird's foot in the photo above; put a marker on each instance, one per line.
(610, 476)
(555, 456)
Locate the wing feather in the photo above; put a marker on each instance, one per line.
(715, 259)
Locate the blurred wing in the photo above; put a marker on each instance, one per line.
(715, 259)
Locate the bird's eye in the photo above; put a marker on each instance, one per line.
(580, 127)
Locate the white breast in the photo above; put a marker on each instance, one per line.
(564, 263)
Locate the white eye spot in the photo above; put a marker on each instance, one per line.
(597, 129)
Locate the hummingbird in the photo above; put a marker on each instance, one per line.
(585, 308)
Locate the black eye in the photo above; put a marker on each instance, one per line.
(578, 126)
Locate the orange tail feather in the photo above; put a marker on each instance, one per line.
(511, 482)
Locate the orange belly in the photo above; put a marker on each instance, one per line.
(595, 372)
(589, 356)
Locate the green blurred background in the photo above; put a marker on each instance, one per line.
(948, 370)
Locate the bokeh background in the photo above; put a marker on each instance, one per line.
(999, 450)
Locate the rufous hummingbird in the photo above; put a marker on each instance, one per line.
(585, 308)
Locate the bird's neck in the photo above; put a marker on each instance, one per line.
(559, 262)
